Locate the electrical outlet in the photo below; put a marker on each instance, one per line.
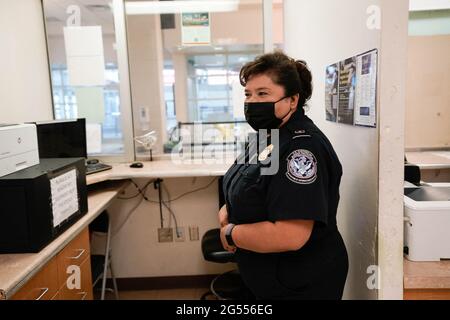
(165, 234)
(193, 233)
(179, 234)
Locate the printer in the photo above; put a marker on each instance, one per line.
(427, 222)
(39, 203)
(18, 147)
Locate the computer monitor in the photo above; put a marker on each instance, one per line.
(62, 138)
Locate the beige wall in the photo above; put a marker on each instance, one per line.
(428, 95)
(244, 26)
(25, 93)
(136, 250)
(370, 210)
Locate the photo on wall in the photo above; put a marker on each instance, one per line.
(350, 90)
(347, 87)
(331, 92)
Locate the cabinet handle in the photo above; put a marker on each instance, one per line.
(84, 295)
(44, 291)
(78, 256)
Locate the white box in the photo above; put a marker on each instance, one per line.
(18, 148)
(427, 223)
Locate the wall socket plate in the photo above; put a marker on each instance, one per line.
(193, 233)
(180, 235)
(165, 234)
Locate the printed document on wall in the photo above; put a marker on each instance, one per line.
(332, 92)
(195, 29)
(366, 90)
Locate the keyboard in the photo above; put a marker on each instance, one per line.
(94, 168)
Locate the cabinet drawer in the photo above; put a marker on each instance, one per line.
(74, 254)
(426, 294)
(42, 286)
(85, 291)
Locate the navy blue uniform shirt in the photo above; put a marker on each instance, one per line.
(306, 186)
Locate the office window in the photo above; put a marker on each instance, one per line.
(83, 58)
(178, 77)
(65, 100)
(210, 85)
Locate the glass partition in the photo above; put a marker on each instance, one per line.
(185, 58)
(83, 57)
(146, 69)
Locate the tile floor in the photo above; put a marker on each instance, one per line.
(166, 294)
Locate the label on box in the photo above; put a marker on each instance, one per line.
(64, 196)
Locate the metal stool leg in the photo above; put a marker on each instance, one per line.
(105, 273)
(106, 262)
(116, 290)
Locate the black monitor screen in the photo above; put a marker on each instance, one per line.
(62, 139)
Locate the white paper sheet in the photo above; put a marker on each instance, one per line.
(91, 104)
(83, 41)
(64, 196)
(93, 138)
(85, 55)
(86, 71)
(366, 79)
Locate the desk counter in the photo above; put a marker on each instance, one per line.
(426, 280)
(161, 169)
(426, 275)
(17, 269)
(430, 159)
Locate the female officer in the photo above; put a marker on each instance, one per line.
(282, 227)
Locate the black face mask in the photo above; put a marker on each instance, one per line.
(261, 115)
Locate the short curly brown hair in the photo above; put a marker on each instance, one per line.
(293, 75)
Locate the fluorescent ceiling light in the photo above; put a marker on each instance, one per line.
(428, 5)
(163, 7)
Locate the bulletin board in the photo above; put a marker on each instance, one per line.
(351, 90)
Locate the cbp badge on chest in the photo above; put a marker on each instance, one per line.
(301, 167)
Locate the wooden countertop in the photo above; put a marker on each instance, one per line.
(17, 269)
(426, 275)
(162, 169)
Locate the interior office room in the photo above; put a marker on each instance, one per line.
(149, 95)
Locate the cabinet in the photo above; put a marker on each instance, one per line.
(66, 277)
(426, 280)
(426, 294)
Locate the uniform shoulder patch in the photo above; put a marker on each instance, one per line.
(301, 166)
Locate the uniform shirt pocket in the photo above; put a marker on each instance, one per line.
(251, 173)
(294, 275)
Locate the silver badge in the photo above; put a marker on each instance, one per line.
(265, 153)
(301, 167)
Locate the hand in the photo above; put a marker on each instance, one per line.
(223, 216)
(224, 240)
